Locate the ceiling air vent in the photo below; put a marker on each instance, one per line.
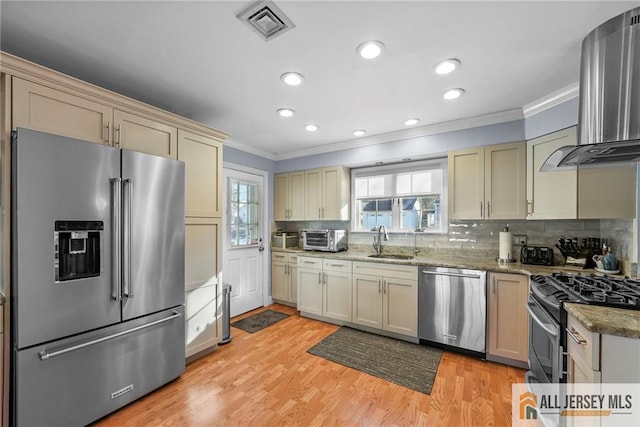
(635, 20)
(266, 19)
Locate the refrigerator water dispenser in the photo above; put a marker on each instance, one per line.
(77, 246)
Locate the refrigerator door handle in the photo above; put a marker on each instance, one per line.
(116, 232)
(126, 255)
(46, 356)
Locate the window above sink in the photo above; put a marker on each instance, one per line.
(402, 197)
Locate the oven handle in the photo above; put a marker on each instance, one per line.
(543, 325)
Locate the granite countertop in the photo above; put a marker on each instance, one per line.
(606, 320)
(469, 259)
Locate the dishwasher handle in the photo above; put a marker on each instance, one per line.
(451, 274)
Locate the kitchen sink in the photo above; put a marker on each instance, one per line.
(391, 256)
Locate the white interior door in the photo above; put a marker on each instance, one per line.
(243, 260)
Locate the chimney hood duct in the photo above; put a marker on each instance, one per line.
(609, 117)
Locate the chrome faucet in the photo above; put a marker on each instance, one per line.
(377, 243)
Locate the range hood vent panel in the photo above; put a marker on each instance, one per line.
(609, 114)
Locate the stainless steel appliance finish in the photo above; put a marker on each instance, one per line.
(324, 240)
(609, 117)
(113, 329)
(452, 307)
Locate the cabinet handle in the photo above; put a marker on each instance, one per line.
(488, 209)
(319, 214)
(529, 207)
(384, 286)
(320, 278)
(576, 337)
(322, 212)
(117, 143)
(481, 209)
(379, 286)
(108, 133)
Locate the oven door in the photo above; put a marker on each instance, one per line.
(545, 349)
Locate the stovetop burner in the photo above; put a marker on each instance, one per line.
(592, 289)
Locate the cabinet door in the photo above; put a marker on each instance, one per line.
(313, 189)
(279, 281)
(367, 300)
(504, 178)
(203, 174)
(466, 184)
(296, 196)
(293, 285)
(145, 135)
(607, 192)
(335, 194)
(281, 197)
(551, 195)
(202, 261)
(201, 322)
(48, 110)
(310, 290)
(337, 296)
(508, 318)
(400, 306)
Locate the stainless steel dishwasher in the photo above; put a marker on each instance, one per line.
(452, 308)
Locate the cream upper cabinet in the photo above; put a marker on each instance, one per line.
(328, 192)
(203, 174)
(385, 297)
(607, 192)
(42, 108)
(551, 195)
(508, 329)
(145, 135)
(488, 182)
(289, 196)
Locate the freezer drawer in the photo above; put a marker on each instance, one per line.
(83, 378)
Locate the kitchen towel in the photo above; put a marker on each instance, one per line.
(505, 245)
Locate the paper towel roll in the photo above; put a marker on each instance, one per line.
(505, 245)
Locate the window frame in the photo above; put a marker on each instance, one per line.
(395, 170)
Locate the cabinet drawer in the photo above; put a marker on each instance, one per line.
(336, 265)
(293, 258)
(409, 272)
(308, 262)
(588, 348)
(280, 256)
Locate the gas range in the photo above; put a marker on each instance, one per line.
(609, 291)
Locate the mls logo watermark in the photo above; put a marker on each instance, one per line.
(560, 404)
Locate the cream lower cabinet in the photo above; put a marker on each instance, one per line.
(488, 182)
(508, 328)
(289, 196)
(284, 277)
(324, 288)
(385, 296)
(202, 284)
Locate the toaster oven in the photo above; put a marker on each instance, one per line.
(324, 240)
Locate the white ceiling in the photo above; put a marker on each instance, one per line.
(196, 59)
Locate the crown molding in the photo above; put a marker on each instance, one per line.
(549, 101)
(432, 129)
(230, 142)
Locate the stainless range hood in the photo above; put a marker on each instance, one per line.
(609, 118)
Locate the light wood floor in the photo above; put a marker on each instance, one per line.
(267, 378)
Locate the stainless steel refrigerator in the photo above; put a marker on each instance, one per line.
(97, 277)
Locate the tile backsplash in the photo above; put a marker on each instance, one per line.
(619, 233)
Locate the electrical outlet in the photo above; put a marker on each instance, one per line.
(519, 239)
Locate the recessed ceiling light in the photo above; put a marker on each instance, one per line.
(447, 66)
(286, 112)
(292, 79)
(311, 128)
(411, 122)
(370, 50)
(453, 93)
(359, 132)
